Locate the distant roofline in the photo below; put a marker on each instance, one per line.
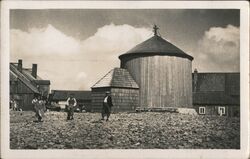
(217, 72)
(71, 90)
(114, 87)
(28, 69)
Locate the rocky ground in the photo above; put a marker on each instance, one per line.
(148, 130)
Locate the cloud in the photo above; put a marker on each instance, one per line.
(112, 40)
(70, 63)
(218, 50)
(43, 42)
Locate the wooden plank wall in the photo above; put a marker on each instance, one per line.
(231, 111)
(22, 88)
(24, 93)
(97, 96)
(44, 89)
(164, 81)
(26, 100)
(124, 99)
(211, 82)
(232, 84)
(86, 103)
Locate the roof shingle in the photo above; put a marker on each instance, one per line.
(117, 77)
(156, 45)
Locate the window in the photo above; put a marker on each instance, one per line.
(202, 110)
(221, 111)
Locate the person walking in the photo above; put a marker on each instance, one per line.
(39, 107)
(71, 103)
(107, 104)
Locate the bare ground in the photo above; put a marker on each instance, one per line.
(148, 130)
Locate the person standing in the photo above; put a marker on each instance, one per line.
(107, 104)
(71, 103)
(13, 104)
(35, 104)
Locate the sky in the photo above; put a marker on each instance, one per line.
(74, 48)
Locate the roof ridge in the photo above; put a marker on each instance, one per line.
(24, 79)
(64, 90)
(112, 79)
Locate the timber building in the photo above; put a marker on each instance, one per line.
(216, 93)
(25, 83)
(156, 74)
(162, 73)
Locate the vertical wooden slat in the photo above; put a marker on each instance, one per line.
(163, 80)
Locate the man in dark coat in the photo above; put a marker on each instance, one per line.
(107, 104)
(71, 103)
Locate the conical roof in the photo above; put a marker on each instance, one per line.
(156, 45)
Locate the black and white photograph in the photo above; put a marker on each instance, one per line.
(104, 78)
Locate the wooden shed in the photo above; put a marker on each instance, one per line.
(25, 83)
(124, 91)
(162, 71)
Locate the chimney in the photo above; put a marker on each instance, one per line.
(195, 79)
(20, 65)
(34, 70)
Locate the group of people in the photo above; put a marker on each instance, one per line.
(40, 107)
(14, 105)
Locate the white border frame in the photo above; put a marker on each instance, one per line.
(169, 153)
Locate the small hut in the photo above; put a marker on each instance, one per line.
(124, 91)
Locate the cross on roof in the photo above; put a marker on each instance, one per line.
(155, 28)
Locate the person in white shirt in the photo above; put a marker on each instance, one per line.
(71, 103)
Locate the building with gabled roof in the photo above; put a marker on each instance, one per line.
(216, 93)
(124, 91)
(25, 84)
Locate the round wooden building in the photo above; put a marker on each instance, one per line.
(162, 71)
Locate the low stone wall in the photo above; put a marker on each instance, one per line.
(190, 111)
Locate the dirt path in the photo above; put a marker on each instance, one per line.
(124, 131)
